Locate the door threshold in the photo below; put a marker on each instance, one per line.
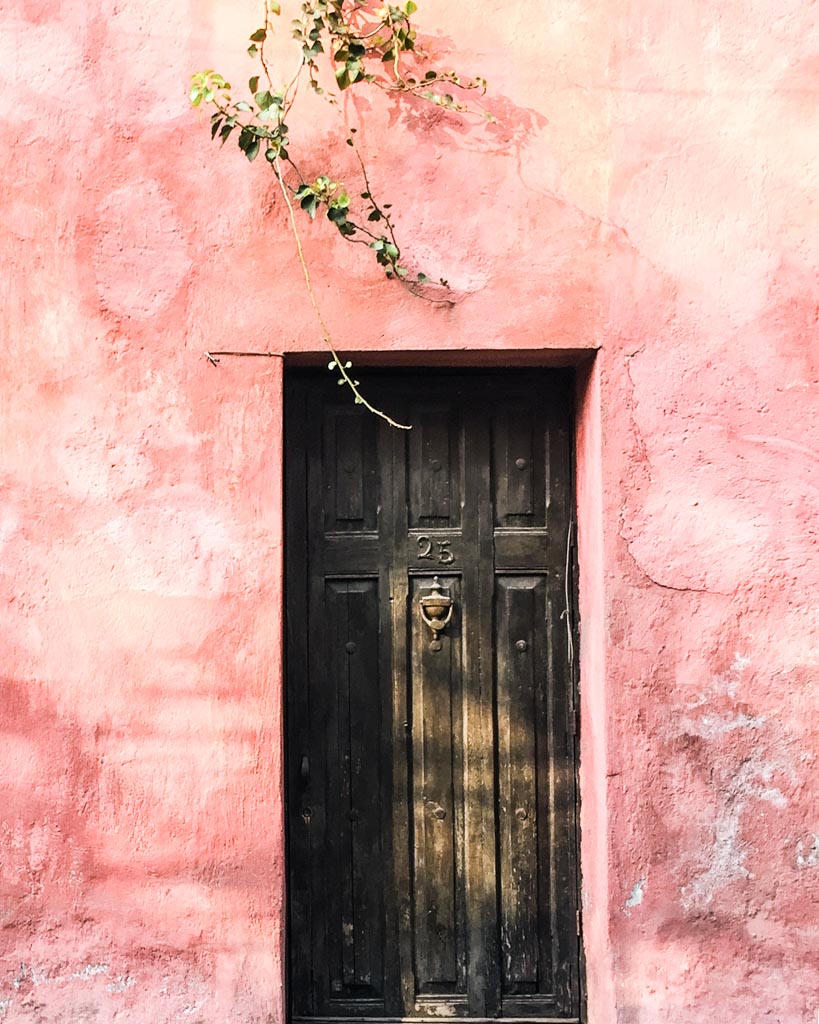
(435, 1020)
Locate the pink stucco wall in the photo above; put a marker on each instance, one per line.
(648, 194)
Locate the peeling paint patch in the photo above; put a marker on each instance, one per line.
(39, 976)
(727, 852)
(740, 663)
(636, 896)
(808, 858)
(90, 971)
(724, 685)
(710, 727)
(192, 1008)
(121, 983)
(22, 976)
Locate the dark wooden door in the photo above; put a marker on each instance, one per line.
(431, 777)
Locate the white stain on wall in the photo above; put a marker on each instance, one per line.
(807, 856)
(750, 783)
(635, 897)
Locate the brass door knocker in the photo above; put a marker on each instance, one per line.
(436, 610)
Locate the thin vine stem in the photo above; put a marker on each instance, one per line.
(359, 50)
(328, 341)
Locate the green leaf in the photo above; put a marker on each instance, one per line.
(274, 7)
(271, 154)
(252, 150)
(264, 99)
(342, 77)
(375, 215)
(253, 83)
(258, 36)
(214, 128)
(309, 204)
(252, 50)
(411, 8)
(196, 98)
(241, 105)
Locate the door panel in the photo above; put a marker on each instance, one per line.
(520, 607)
(431, 778)
(353, 719)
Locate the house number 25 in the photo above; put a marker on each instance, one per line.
(435, 550)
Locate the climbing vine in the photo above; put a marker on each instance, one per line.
(341, 45)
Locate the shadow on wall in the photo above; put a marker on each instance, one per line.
(497, 126)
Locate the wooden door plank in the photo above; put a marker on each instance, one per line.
(338, 864)
(519, 653)
(434, 681)
(433, 465)
(401, 992)
(367, 785)
(479, 780)
(539, 950)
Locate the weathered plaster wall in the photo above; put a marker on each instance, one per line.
(649, 191)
